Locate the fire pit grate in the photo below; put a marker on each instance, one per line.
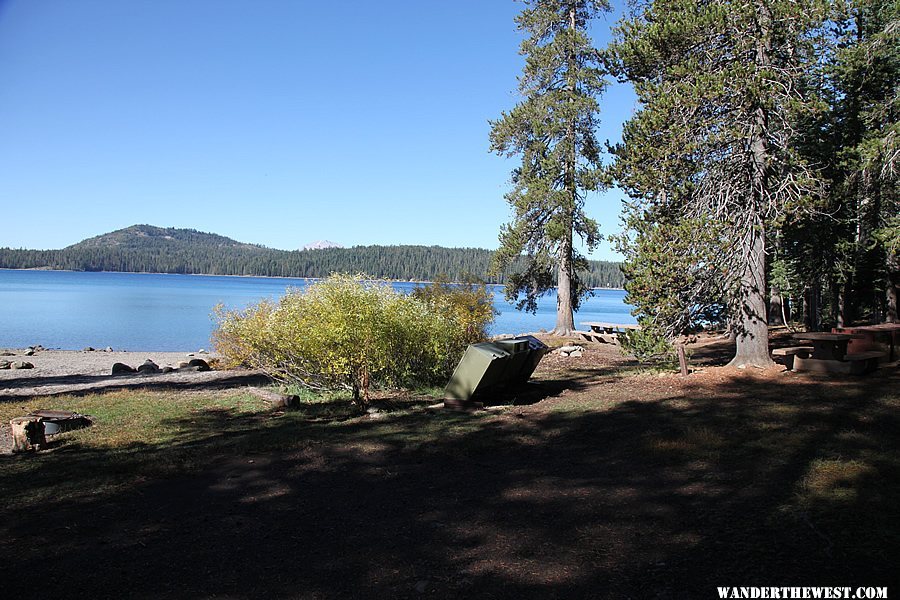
(58, 421)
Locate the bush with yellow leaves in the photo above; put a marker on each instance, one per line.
(350, 332)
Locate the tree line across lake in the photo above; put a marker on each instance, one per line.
(146, 249)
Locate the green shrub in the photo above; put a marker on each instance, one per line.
(649, 345)
(349, 332)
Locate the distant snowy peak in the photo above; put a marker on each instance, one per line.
(321, 245)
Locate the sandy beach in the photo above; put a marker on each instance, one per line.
(57, 363)
(71, 372)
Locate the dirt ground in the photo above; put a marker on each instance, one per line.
(601, 481)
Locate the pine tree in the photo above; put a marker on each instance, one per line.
(867, 128)
(552, 129)
(722, 85)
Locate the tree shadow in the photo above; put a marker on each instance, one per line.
(664, 495)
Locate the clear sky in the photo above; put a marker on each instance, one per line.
(274, 122)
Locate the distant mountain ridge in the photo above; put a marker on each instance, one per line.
(150, 249)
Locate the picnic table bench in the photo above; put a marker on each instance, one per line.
(606, 333)
(828, 354)
(786, 356)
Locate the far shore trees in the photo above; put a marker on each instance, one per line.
(553, 130)
(711, 156)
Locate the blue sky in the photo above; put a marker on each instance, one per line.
(271, 122)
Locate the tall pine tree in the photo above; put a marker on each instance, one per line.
(722, 85)
(552, 129)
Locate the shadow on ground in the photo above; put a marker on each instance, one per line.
(12, 390)
(650, 494)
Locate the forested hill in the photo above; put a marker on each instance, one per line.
(148, 238)
(148, 249)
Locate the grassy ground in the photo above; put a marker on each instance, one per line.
(601, 481)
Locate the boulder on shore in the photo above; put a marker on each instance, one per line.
(195, 364)
(571, 350)
(21, 364)
(201, 364)
(121, 368)
(148, 367)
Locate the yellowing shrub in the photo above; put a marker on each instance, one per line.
(351, 332)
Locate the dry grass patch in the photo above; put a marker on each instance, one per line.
(835, 481)
(693, 442)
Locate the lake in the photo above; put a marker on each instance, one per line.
(143, 311)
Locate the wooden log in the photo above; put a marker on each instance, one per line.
(28, 434)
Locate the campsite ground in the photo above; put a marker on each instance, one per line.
(601, 479)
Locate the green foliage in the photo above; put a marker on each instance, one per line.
(889, 237)
(147, 249)
(671, 275)
(349, 332)
(553, 130)
(649, 344)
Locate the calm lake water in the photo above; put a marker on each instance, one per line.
(138, 311)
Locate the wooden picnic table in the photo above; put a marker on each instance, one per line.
(606, 333)
(610, 327)
(829, 355)
(827, 346)
(883, 337)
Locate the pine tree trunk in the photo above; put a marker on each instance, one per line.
(807, 309)
(776, 306)
(892, 266)
(565, 317)
(891, 299)
(752, 340)
(817, 306)
(752, 343)
(845, 316)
